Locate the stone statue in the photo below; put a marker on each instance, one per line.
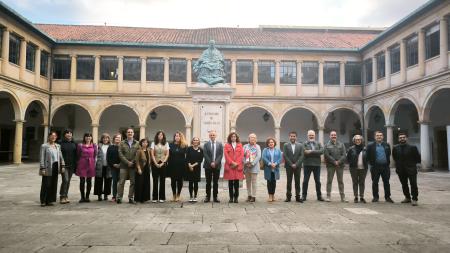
(209, 68)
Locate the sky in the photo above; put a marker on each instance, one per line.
(213, 13)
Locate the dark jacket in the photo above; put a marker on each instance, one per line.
(353, 155)
(112, 156)
(312, 159)
(69, 152)
(293, 158)
(207, 153)
(127, 153)
(406, 158)
(99, 163)
(371, 153)
(334, 152)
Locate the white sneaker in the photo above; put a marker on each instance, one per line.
(191, 200)
(161, 201)
(154, 201)
(327, 199)
(194, 200)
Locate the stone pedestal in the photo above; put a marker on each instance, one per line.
(211, 110)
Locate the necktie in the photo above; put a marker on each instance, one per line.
(213, 150)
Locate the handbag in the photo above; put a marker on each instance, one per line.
(261, 164)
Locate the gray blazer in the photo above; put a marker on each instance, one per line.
(207, 153)
(46, 160)
(99, 163)
(295, 157)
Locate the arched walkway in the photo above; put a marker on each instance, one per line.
(116, 119)
(345, 122)
(10, 111)
(375, 121)
(256, 120)
(166, 118)
(299, 120)
(34, 130)
(71, 116)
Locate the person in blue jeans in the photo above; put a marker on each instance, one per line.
(378, 157)
(311, 163)
(271, 158)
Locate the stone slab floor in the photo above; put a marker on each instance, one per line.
(260, 227)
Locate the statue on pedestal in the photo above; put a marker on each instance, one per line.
(210, 66)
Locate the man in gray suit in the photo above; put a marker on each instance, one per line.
(293, 159)
(213, 153)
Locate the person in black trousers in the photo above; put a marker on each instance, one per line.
(357, 161)
(112, 156)
(103, 177)
(406, 158)
(142, 178)
(213, 153)
(378, 157)
(177, 163)
(69, 152)
(194, 158)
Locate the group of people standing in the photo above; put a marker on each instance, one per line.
(113, 162)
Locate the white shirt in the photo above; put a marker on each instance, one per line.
(153, 145)
(293, 148)
(234, 145)
(104, 150)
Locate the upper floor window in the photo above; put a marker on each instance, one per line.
(266, 72)
(331, 73)
(310, 72)
(61, 67)
(412, 51)
(352, 73)
(44, 63)
(108, 67)
(395, 59)
(155, 69)
(381, 65)
(30, 57)
(132, 68)
(288, 72)
(1, 41)
(432, 41)
(244, 71)
(177, 70)
(14, 49)
(367, 71)
(228, 71)
(85, 67)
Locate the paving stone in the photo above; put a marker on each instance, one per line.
(151, 238)
(214, 238)
(103, 239)
(194, 228)
(207, 248)
(261, 249)
(223, 227)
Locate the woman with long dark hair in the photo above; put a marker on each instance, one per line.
(160, 154)
(86, 153)
(194, 158)
(234, 166)
(51, 163)
(142, 184)
(177, 163)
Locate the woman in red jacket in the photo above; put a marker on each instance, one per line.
(234, 169)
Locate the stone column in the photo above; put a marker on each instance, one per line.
(321, 134)
(390, 140)
(95, 133)
(255, 77)
(321, 88)
(22, 59)
(5, 50)
(188, 134)
(299, 78)
(45, 132)
(97, 73)
(17, 152)
(277, 78)
(278, 135)
(188, 72)
(448, 145)
(342, 77)
(233, 129)
(73, 72)
(421, 53)
(387, 67)
(143, 73)
(166, 75)
(226, 119)
(403, 66)
(233, 72)
(141, 131)
(444, 43)
(120, 74)
(37, 67)
(425, 151)
(196, 120)
(374, 72)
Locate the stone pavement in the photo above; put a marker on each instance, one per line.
(260, 227)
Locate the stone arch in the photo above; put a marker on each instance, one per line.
(347, 123)
(43, 105)
(15, 102)
(424, 113)
(244, 108)
(186, 116)
(98, 115)
(305, 107)
(62, 104)
(338, 107)
(290, 122)
(169, 118)
(381, 125)
(394, 106)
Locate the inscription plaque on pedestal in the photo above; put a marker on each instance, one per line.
(212, 118)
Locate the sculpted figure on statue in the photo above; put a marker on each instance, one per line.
(210, 66)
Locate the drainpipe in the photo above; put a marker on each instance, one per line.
(50, 78)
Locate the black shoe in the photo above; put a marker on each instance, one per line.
(119, 201)
(131, 201)
(87, 200)
(82, 200)
(374, 200)
(362, 200)
(287, 200)
(105, 197)
(236, 200)
(100, 198)
(49, 204)
(406, 201)
(249, 199)
(206, 200)
(320, 199)
(253, 199)
(216, 200)
(303, 198)
(231, 201)
(42, 204)
(355, 200)
(389, 200)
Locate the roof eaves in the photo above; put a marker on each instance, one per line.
(403, 22)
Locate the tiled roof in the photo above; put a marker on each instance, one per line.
(264, 37)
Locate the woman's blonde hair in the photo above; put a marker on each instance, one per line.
(183, 142)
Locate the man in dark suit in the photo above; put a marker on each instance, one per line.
(293, 159)
(406, 158)
(213, 153)
(378, 156)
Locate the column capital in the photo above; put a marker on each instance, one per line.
(44, 124)
(120, 57)
(19, 121)
(277, 61)
(189, 59)
(94, 125)
(389, 125)
(142, 125)
(321, 61)
(444, 18)
(233, 60)
(299, 61)
(423, 122)
(73, 56)
(166, 58)
(343, 62)
(255, 61)
(143, 57)
(321, 128)
(277, 127)
(97, 56)
(188, 126)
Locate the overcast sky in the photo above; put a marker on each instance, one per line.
(214, 13)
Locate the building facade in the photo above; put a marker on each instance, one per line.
(103, 79)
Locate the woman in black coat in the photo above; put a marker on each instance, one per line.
(356, 157)
(177, 163)
(194, 159)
